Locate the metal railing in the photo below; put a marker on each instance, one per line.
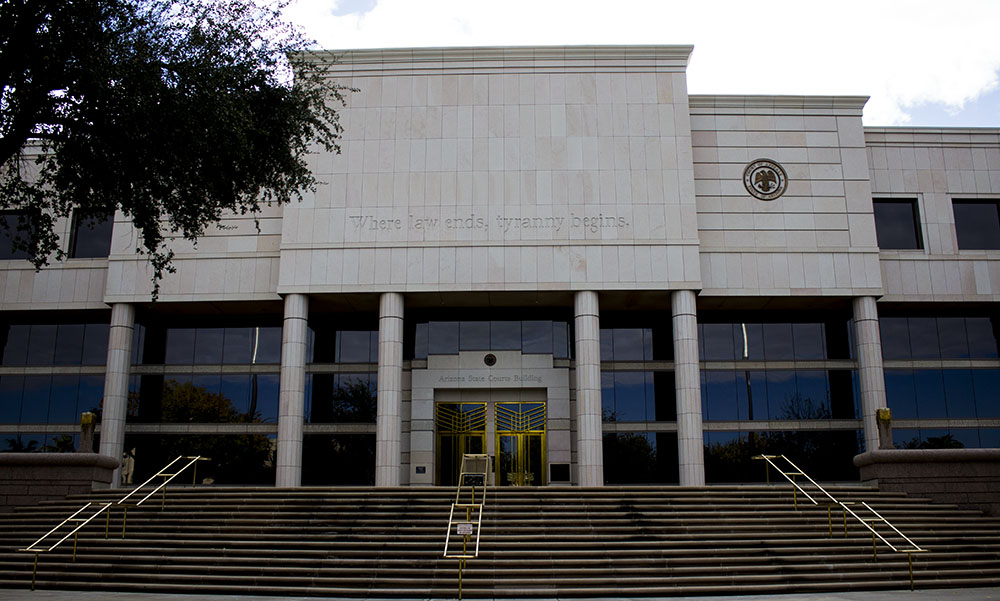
(125, 502)
(474, 474)
(909, 547)
(78, 521)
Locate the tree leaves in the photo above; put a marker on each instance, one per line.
(173, 112)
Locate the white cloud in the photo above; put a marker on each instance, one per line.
(900, 53)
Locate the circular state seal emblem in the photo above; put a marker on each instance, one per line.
(764, 179)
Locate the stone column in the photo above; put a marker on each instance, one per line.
(388, 427)
(292, 390)
(868, 350)
(115, 406)
(687, 384)
(589, 442)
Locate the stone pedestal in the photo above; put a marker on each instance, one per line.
(30, 478)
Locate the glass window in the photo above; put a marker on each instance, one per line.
(357, 346)
(929, 387)
(91, 235)
(640, 458)
(924, 343)
(982, 332)
(958, 393)
(808, 340)
(208, 346)
(536, 337)
(180, 346)
(474, 336)
(724, 395)
(62, 400)
(824, 455)
(35, 399)
(718, 342)
(505, 335)
(977, 224)
(341, 398)
(42, 344)
(14, 228)
(443, 338)
(11, 388)
(897, 224)
(986, 387)
(238, 459)
(778, 341)
(338, 459)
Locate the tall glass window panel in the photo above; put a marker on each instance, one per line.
(63, 399)
(42, 344)
(718, 343)
(977, 224)
(35, 399)
(899, 393)
(443, 338)
(929, 387)
(809, 341)
(359, 346)
(536, 337)
(505, 335)
(897, 224)
(724, 396)
(959, 395)
(986, 387)
(14, 226)
(924, 341)
(778, 341)
(474, 336)
(91, 235)
(983, 335)
(11, 389)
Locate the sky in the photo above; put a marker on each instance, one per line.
(921, 63)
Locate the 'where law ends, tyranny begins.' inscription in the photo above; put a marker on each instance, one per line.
(593, 223)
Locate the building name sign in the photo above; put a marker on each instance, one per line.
(481, 378)
(594, 223)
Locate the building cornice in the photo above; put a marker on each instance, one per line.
(772, 104)
(932, 136)
(522, 59)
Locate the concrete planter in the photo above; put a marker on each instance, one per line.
(969, 478)
(27, 478)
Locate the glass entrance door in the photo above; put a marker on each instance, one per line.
(461, 429)
(520, 444)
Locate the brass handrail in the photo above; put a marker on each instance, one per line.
(167, 477)
(474, 473)
(106, 507)
(867, 523)
(80, 523)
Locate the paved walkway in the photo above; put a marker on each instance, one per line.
(965, 594)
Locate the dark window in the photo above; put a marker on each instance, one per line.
(897, 224)
(764, 336)
(203, 398)
(919, 337)
(977, 224)
(91, 235)
(640, 458)
(823, 455)
(341, 398)
(449, 337)
(15, 227)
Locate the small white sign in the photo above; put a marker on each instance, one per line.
(464, 528)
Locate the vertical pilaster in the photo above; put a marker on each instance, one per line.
(388, 427)
(687, 379)
(590, 453)
(115, 406)
(292, 390)
(868, 349)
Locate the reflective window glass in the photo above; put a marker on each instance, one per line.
(929, 387)
(22, 442)
(91, 235)
(561, 343)
(15, 344)
(989, 438)
(356, 346)
(35, 399)
(986, 386)
(895, 337)
(782, 400)
(443, 338)
(630, 396)
(474, 335)
(91, 394)
(208, 346)
(977, 224)
(536, 337)
(13, 227)
(718, 342)
(750, 341)
(778, 341)
(180, 346)
(11, 388)
(723, 395)
(338, 459)
(505, 335)
(640, 458)
(69, 344)
(62, 400)
(899, 393)
(237, 345)
(420, 341)
(958, 392)
(808, 341)
(951, 335)
(924, 343)
(982, 334)
(967, 437)
(95, 343)
(811, 395)
(897, 225)
(42, 344)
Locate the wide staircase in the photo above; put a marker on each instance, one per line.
(566, 542)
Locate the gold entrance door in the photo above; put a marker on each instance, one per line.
(520, 448)
(461, 430)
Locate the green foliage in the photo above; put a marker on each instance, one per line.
(175, 112)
